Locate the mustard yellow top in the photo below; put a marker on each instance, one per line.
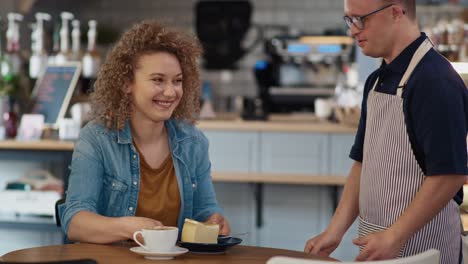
(159, 196)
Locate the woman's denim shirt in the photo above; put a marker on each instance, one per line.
(105, 173)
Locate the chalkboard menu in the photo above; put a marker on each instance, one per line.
(53, 91)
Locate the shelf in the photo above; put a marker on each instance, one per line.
(276, 178)
(327, 40)
(48, 145)
(35, 223)
(276, 126)
(302, 91)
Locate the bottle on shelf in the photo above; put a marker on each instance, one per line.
(76, 45)
(91, 59)
(5, 87)
(38, 59)
(464, 46)
(76, 54)
(449, 38)
(55, 43)
(13, 46)
(64, 54)
(10, 119)
(10, 77)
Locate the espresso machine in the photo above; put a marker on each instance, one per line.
(300, 69)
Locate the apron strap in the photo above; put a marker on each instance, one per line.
(418, 55)
(375, 84)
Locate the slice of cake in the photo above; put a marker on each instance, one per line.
(196, 232)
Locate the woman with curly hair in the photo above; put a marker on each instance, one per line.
(141, 162)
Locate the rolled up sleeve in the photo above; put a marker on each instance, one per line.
(85, 181)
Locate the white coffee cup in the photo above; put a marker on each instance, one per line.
(158, 239)
(323, 108)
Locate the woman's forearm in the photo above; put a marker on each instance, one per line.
(90, 227)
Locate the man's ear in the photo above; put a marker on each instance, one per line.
(398, 12)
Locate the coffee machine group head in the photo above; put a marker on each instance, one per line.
(300, 69)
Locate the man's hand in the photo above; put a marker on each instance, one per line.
(345, 214)
(323, 244)
(217, 218)
(379, 246)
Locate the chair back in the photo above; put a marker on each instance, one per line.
(57, 217)
(430, 256)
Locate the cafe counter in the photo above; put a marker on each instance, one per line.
(263, 172)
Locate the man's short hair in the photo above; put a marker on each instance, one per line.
(408, 5)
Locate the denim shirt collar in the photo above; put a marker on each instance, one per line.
(124, 136)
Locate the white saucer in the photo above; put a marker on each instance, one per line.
(176, 251)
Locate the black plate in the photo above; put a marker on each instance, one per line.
(223, 244)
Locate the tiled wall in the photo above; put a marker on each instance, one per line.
(304, 15)
(113, 16)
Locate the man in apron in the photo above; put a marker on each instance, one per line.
(410, 148)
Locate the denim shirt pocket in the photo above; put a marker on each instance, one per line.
(114, 195)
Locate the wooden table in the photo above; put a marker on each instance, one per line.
(121, 254)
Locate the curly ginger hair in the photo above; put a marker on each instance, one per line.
(112, 105)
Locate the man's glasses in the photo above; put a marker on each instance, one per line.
(358, 21)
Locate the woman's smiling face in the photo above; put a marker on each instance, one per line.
(157, 87)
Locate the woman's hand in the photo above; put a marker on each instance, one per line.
(134, 223)
(93, 228)
(217, 218)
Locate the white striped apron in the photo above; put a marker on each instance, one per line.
(391, 176)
